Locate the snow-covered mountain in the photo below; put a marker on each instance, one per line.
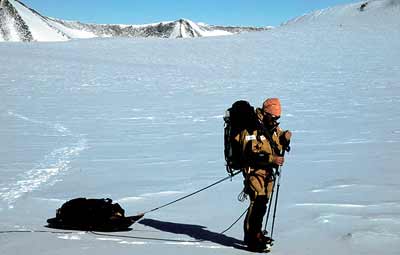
(21, 23)
(141, 121)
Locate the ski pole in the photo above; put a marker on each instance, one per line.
(277, 195)
(276, 204)
(271, 198)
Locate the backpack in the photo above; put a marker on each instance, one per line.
(239, 117)
(90, 214)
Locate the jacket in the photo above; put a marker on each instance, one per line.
(259, 146)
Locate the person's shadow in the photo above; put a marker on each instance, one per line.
(195, 231)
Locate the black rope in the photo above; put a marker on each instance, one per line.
(233, 224)
(35, 231)
(152, 210)
(99, 234)
(193, 193)
(147, 238)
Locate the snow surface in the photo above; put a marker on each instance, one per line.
(140, 121)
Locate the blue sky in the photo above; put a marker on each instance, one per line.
(215, 12)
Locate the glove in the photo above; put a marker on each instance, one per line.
(277, 160)
(285, 140)
(287, 135)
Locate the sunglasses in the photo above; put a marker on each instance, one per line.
(271, 117)
(275, 118)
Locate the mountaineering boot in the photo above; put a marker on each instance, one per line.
(261, 237)
(258, 244)
(265, 239)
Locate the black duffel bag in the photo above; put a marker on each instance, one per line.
(91, 214)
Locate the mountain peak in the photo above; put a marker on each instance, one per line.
(18, 22)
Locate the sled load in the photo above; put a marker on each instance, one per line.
(92, 215)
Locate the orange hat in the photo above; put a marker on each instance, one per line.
(272, 106)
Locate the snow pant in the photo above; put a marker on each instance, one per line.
(258, 185)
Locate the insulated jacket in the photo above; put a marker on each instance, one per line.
(259, 146)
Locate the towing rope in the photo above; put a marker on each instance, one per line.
(100, 234)
(236, 221)
(35, 231)
(193, 193)
(152, 210)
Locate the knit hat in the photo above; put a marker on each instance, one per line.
(272, 106)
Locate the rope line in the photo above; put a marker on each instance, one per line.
(36, 231)
(233, 224)
(152, 210)
(99, 234)
(147, 238)
(193, 193)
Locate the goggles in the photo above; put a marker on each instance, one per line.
(271, 119)
(271, 116)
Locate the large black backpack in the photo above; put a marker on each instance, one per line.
(239, 117)
(91, 214)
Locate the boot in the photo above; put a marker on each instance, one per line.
(257, 244)
(265, 239)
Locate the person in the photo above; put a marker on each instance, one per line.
(262, 151)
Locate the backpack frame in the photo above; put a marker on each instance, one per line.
(240, 116)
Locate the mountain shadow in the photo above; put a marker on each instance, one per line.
(195, 231)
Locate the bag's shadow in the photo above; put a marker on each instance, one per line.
(195, 231)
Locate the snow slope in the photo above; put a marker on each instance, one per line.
(38, 26)
(140, 121)
(382, 13)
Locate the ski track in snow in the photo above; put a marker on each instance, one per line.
(390, 219)
(344, 205)
(62, 131)
(334, 187)
(56, 162)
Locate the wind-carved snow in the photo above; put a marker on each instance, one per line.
(56, 162)
(55, 126)
(53, 164)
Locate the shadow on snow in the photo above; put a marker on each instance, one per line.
(197, 232)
